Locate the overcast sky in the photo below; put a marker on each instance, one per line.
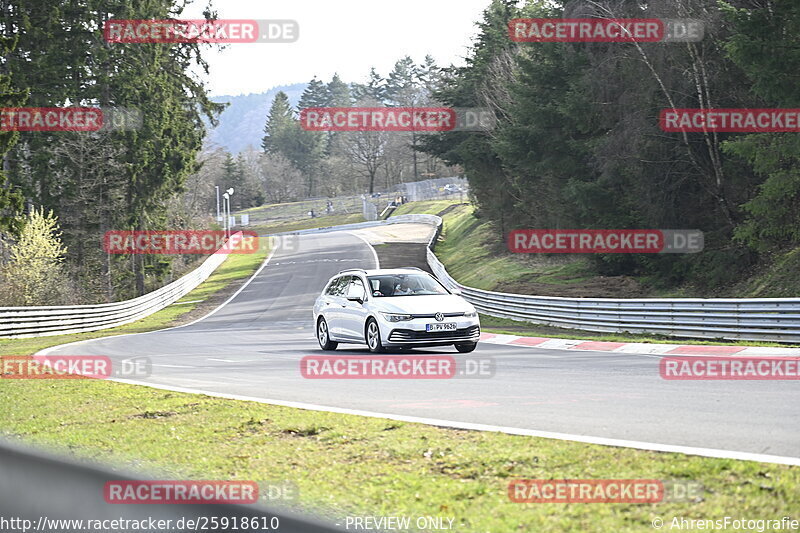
(344, 36)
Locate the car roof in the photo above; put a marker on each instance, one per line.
(379, 271)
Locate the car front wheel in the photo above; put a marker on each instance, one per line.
(324, 336)
(373, 336)
(466, 348)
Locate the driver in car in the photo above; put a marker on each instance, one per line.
(403, 288)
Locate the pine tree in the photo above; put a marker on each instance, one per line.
(10, 199)
(283, 135)
(373, 90)
(401, 88)
(338, 93)
(279, 119)
(315, 95)
(773, 214)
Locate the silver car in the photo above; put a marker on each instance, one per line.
(393, 308)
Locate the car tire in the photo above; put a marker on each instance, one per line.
(466, 348)
(324, 336)
(372, 334)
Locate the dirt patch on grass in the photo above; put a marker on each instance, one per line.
(449, 208)
(154, 414)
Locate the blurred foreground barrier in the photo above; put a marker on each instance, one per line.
(40, 492)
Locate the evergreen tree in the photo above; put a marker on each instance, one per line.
(10, 199)
(279, 119)
(374, 89)
(285, 136)
(315, 95)
(764, 44)
(338, 93)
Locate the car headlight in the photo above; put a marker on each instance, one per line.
(471, 314)
(391, 317)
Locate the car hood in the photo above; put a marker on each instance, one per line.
(422, 305)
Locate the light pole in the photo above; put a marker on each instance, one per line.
(227, 197)
(218, 217)
(225, 214)
(230, 193)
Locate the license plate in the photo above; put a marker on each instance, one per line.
(446, 326)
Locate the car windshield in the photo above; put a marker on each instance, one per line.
(404, 285)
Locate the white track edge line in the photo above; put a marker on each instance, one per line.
(371, 248)
(649, 446)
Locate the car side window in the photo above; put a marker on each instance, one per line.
(355, 289)
(337, 286)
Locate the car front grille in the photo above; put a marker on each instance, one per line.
(433, 315)
(470, 334)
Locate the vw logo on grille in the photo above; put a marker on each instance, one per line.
(439, 317)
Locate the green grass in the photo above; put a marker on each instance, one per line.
(307, 223)
(473, 252)
(298, 210)
(429, 207)
(235, 267)
(779, 279)
(345, 465)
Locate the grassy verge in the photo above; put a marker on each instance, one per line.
(236, 267)
(474, 254)
(307, 223)
(346, 464)
(297, 210)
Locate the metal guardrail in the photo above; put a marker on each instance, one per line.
(52, 494)
(756, 319)
(39, 321)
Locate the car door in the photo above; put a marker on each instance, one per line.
(354, 314)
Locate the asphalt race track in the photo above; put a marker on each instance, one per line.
(253, 345)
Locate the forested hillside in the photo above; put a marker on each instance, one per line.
(96, 181)
(578, 142)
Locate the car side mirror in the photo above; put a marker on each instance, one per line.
(457, 292)
(356, 299)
